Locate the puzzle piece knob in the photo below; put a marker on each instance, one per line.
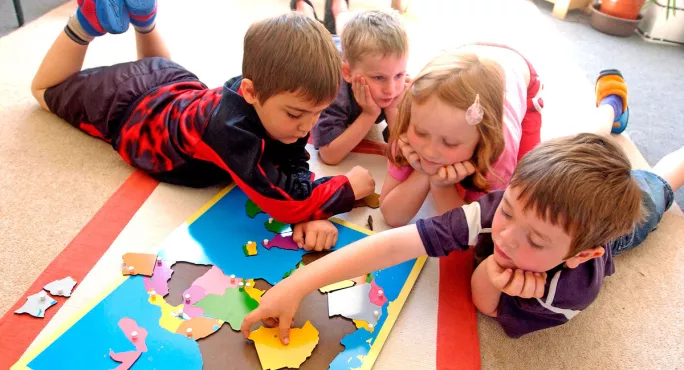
(376, 313)
(42, 296)
(187, 298)
(188, 331)
(265, 242)
(380, 293)
(130, 268)
(159, 261)
(134, 334)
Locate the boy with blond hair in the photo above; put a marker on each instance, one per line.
(161, 119)
(374, 49)
(546, 244)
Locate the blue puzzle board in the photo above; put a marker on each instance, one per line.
(214, 237)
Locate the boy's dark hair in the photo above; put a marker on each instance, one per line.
(291, 53)
(583, 183)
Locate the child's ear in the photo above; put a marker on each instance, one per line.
(584, 256)
(346, 72)
(247, 88)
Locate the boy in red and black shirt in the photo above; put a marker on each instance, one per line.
(161, 119)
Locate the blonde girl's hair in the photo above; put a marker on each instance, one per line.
(457, 78)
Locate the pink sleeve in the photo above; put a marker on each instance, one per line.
(399, 173)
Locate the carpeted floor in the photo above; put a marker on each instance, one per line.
(54, 178)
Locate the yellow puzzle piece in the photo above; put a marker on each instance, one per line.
(274, 355)
(337, 286)
(253, 292)
(169, 319)
(250, 249)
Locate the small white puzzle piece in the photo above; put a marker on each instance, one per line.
(353, 303)
(61, 287)
(37, 304)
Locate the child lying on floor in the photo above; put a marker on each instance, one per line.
(545, 244)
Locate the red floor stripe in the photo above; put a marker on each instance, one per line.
(76, 260)
(458, 346)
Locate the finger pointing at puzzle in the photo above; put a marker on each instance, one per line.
(276, 306)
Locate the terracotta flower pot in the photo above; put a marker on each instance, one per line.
(612, 25)
(626, 9)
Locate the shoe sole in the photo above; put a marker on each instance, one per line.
(141, 8)
(113, 15)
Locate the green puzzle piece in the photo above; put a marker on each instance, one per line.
(231, 307)
(277, 227)
(252, 209)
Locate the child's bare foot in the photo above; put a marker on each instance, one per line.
(400, 5)
(304, 6)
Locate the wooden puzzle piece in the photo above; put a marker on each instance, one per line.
(372, 201)
(337, 286)
(159, 281)
(252, 291)
(250, 249)
(37, 304)
(274, 355)
(364, 325)
(61, 287)
(139, 264)
(171, 316)
(215, 281)
(199, 327)
(252, 209)
(282, 242)
(231, 307)
(277, 227)
(127, 359)
(353, 303)
(136, 334)
(196, 293)
(377, 295)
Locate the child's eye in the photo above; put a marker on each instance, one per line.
(378, 78)
(449, 145)
(293, 116)
(535, 245)
(398, 76)
(506, 215)
(420, 133)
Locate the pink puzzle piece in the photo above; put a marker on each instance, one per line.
(134, 333)
(282, 242)
(159, 282)
(374, 296)
(196, 293)
(127, 359)
(216, 282)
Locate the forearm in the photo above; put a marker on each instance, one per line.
(367, 255)
(485, 295)
(391, 118)
(335, 152)
(403, 202)
(446, 198)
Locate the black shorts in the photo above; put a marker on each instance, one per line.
(98, 100)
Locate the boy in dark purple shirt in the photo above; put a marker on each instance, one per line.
(544, 245)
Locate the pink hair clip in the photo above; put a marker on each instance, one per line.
(475, 112)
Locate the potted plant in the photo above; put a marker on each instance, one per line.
(660, 23)
(616, 17)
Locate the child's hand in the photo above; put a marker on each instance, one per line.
(518, 283)
(452, 174)
(363, 96)
(407, 151)
(277, 308)
(398, 99)
(361, 182)
(315, 235)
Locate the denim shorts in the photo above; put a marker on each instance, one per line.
(657, 198)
